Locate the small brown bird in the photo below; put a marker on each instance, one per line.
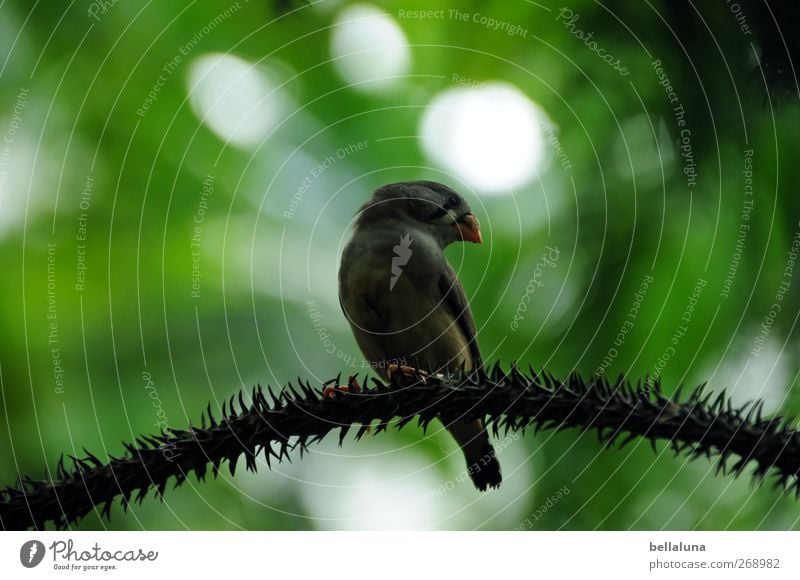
(404, 302)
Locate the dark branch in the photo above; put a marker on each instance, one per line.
(299, 416)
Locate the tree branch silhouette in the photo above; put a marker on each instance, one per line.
(275, 424)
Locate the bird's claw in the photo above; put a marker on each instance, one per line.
(352, 386)
(405, 374)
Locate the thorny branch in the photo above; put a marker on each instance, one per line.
(298, 416)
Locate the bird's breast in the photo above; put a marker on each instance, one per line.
(407, 323)
(423, 331)
(389, 290)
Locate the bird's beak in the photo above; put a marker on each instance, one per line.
(468, 228)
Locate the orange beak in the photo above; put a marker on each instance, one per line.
(469, 229)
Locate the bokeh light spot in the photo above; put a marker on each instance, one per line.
(370, 49)
(492, 136)
(236, 99)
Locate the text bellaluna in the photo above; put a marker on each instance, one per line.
(679, 547)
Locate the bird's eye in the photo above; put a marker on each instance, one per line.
(452, 201)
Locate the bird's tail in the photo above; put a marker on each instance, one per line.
(482, 465)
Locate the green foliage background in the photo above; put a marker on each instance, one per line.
(622, 212)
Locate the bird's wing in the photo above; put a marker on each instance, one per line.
(454, 298)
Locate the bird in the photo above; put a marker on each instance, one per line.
(405, 304)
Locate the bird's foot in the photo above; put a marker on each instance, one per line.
(403, 374)
(352, 386)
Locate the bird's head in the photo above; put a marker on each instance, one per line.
(424, 205)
